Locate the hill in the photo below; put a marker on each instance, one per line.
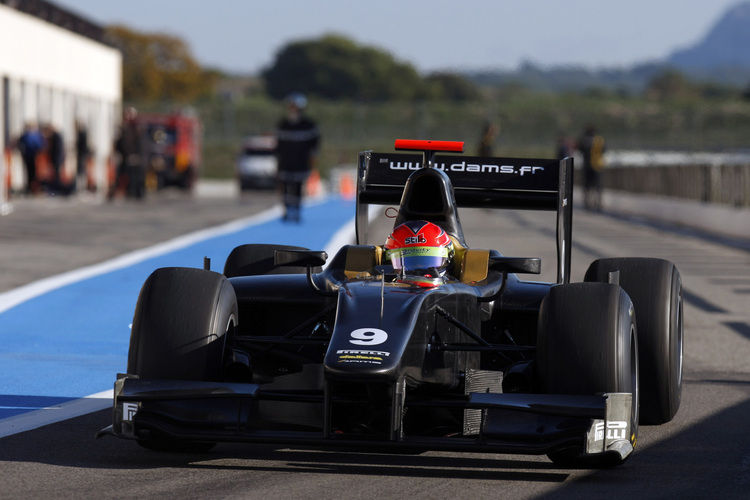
(726, 44)
(721, 57)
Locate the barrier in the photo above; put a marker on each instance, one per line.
(716, 184)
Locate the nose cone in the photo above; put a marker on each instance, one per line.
(366, 345)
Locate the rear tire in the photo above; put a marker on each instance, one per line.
(181, 323)
(258, 258)
(655, 287)
(586, 344)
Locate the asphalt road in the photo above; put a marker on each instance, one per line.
(703, 453)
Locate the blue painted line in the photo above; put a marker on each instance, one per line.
(70, 342)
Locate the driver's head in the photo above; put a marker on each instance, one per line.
(420, 249)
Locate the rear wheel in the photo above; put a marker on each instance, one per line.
(182, 320)
(655, 287)
(587, 345)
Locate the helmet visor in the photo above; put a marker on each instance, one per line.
(419, 260)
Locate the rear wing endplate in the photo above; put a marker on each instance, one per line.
(508, 183)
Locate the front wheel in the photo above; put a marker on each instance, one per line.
(586, 345)
(655, 287)
(182, 320)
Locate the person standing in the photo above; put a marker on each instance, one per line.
(82, 157)
(298, 139)
(29, 145)
(55, 157)
(130, 178)
(487, 140)
(591, 146)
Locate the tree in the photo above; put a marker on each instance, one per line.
(334, 67)
(451, 86)
(158, 67)
(669, 84)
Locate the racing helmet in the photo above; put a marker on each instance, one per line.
(420, 251)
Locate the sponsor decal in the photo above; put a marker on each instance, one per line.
(412, 240)
(363, 352)
(612, 431)
(128, 411)
(349, 358)
(362, 356)
(469, 167)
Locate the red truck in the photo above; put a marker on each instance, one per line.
(173, 148)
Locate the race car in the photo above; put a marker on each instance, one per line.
(422, 343)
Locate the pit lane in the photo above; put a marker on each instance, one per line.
(704, 452)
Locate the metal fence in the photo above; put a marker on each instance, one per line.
(722, 184)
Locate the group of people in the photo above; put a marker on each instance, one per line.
(298, 141)
(45, 147)
(591, 147)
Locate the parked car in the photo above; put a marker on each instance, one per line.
(256, 163)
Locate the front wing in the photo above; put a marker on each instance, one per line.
(510, 423)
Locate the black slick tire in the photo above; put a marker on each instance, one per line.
(586, 345)
(181, 323)
(655, 287)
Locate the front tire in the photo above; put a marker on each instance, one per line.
(655, 287)
(181, 323)
(586, 344)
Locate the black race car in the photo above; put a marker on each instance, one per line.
(279, 349)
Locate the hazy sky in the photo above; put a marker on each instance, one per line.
(244, 35)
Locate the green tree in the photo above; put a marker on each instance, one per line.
(669, 84)
(451, 86)
(335, 67)
(159, 67)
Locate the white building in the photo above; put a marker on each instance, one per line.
(56, 69)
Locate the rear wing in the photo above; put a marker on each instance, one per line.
(503, 183)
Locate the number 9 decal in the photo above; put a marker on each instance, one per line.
(368, 336)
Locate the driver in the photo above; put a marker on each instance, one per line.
(421, 252)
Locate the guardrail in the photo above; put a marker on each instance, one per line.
(719, 184)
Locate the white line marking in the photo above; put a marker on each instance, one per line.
(56, 413)
(103, 400)
(27, 292)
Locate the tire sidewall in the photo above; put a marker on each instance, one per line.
(180, 325)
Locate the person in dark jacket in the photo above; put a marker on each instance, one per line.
(82, 157)
(298, 140)
(29, 145)
(130, 178)
(56, 158)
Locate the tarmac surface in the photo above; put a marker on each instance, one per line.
(703, 453)
(46, 236)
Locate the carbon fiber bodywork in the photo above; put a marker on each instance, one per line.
(354, 356)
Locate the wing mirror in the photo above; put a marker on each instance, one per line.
(303, 258)
(299, 258)
(526, 265)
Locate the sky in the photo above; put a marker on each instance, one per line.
(243, 36)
